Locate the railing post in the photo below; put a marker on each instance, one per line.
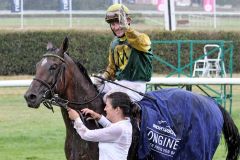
(22, 14)
(70, 13)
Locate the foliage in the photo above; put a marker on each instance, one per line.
(5, 4)
(41, 5)
(91, 4)
(227, 2)
(21, 50)
(56, 4)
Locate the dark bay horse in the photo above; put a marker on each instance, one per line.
(57, 74)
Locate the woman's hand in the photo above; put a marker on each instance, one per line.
(90, 112)
(73, 115)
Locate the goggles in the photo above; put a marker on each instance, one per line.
(110, 16)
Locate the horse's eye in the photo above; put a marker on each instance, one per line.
(53, 67)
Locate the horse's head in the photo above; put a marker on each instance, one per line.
(47, 75)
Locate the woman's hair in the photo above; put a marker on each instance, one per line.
(122, 100)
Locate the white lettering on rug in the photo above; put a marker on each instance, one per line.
(163, 139)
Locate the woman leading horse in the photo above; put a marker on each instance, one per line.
(59, 80)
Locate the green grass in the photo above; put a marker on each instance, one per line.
(221, 150)
(38, 134)
(29, 134)
(97, 22)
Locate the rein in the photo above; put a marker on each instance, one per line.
(50, 98)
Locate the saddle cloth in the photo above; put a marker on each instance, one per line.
(179, 125)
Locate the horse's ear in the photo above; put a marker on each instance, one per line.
(63, 47)
(65, 44)
(49, 46)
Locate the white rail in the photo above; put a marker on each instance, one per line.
(194, 81)
(15, 83)
(154, 80)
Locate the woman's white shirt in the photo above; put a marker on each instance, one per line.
(114, 139)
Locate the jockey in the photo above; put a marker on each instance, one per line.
(130, 55)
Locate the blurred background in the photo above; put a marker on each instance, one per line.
(27, 25)
(148, 14)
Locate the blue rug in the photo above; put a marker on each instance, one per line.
(179, 125)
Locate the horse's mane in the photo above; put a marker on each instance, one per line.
(83, 70)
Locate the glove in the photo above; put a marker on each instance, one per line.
(123, 19)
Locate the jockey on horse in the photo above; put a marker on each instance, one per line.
(130, 56)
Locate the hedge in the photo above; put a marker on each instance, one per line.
(21, 50)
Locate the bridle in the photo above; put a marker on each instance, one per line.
(51, 98)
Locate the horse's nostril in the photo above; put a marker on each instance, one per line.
(32, 96)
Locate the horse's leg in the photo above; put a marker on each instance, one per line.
(69, 137)
(231, 135)
(68, 147)
(75, 147)
(83, 150)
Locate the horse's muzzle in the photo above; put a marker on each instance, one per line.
(32, 100)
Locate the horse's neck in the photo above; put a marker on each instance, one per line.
(81, 90)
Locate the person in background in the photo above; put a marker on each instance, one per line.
(116, 136)
(130, 56)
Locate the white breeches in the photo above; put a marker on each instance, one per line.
(138, 86)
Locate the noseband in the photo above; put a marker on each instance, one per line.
(50, 98)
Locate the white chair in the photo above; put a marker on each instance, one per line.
(210, 66)
(200, 66)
